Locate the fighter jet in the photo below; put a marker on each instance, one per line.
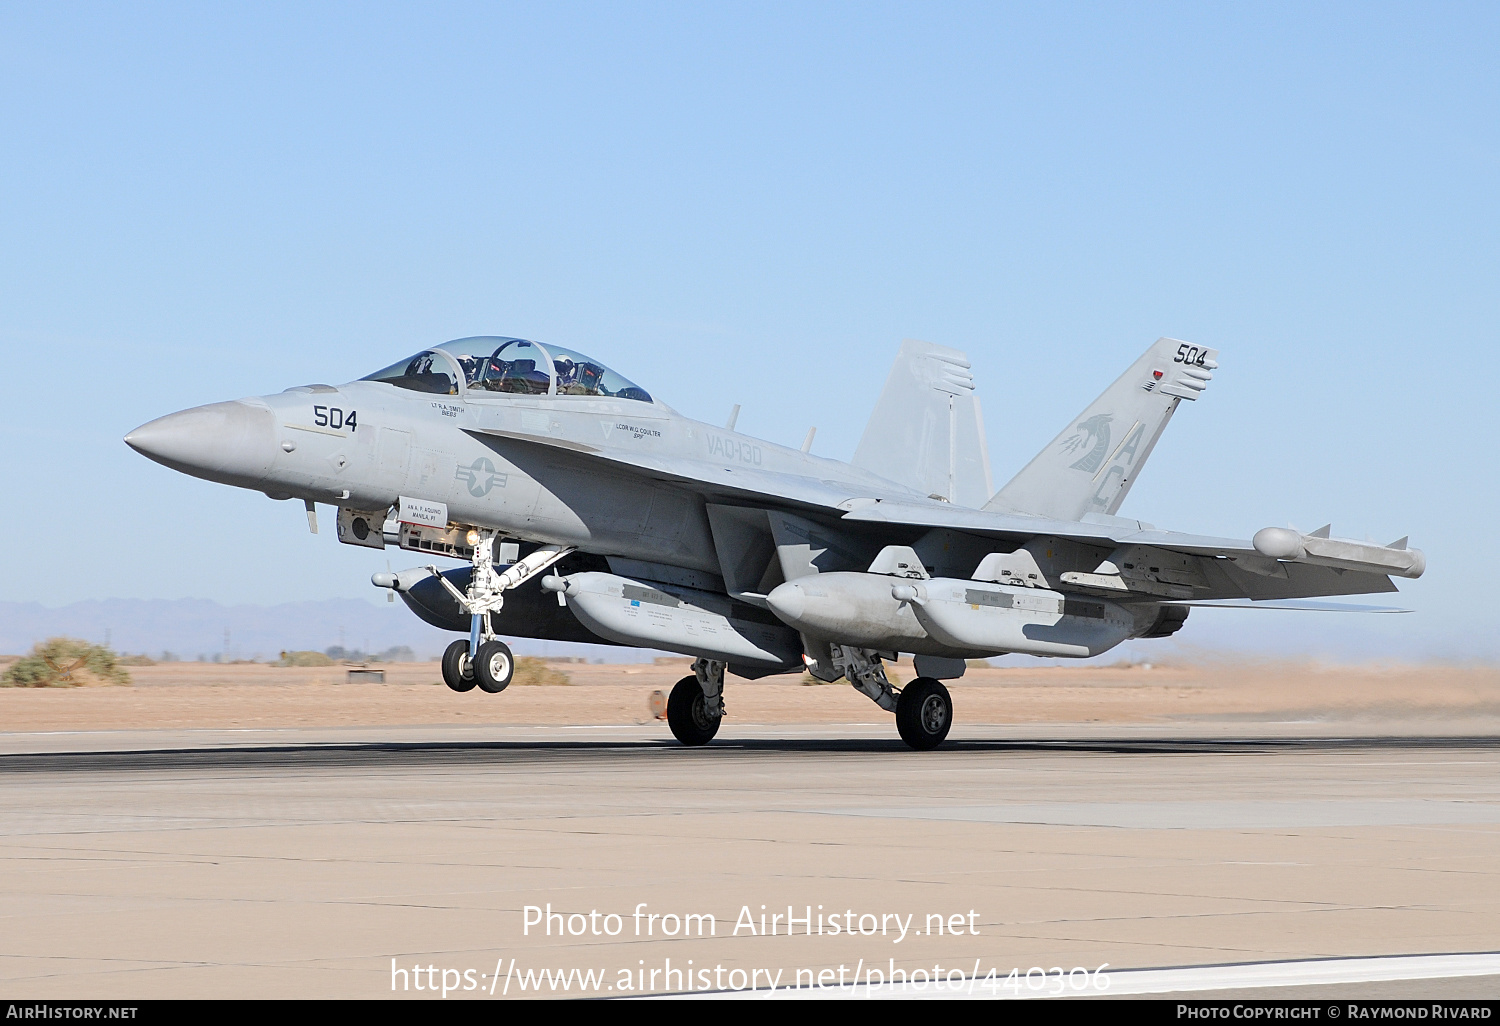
(587, 510)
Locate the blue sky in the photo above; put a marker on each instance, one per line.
(753, 204)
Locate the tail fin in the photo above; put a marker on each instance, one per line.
(1090, 467)
(927, 431)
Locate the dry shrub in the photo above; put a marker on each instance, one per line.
(531, 670)
(304, 659)
(66, 663)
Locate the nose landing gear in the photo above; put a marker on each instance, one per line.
(484, 659)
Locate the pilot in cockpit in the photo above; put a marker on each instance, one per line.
(575, 377)
(521, 376)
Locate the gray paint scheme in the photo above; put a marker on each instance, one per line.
(677, 502)
(927, 431)
(1090, 466)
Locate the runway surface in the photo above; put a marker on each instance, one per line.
(302, 863)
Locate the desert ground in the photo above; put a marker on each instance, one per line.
(1446, 699)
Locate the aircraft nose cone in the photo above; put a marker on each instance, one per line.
(232, 442)
(788, 601)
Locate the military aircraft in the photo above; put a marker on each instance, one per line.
(588, 510)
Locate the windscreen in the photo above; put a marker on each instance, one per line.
(493, 363)
(428, 371)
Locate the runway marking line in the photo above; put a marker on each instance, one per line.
(1126, 982)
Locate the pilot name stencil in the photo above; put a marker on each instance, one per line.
(638, 432)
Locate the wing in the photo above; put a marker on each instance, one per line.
(1101, 555)
(1136, 559)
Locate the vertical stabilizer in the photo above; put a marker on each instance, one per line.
(927, 431)
(1090, 467)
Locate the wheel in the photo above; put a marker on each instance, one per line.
(458, 671)
(687, 714)
(495, 666)
(924, 712)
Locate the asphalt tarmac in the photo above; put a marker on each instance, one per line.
(369, 864)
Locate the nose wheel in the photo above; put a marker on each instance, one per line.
(458, 668)
(495, 666)
(924, 713)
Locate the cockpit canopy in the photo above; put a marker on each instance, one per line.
(488, 363)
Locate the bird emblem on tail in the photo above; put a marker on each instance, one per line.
(1093, 435)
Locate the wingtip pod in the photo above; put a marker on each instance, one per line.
(1318, 547)
(1278, 543)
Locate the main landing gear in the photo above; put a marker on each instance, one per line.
(695, 708)
(924, 709)
(924, 713)
(484, 659)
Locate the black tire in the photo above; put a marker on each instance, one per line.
(687, 714)
(924, 713)
(494, 667)
(458, 671)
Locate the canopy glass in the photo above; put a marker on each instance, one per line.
(490, 363)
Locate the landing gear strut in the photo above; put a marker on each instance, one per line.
(696, 706)
(924, 709)
(484, 659)
(867, 673)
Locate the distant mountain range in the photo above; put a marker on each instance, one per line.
(194, 628)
